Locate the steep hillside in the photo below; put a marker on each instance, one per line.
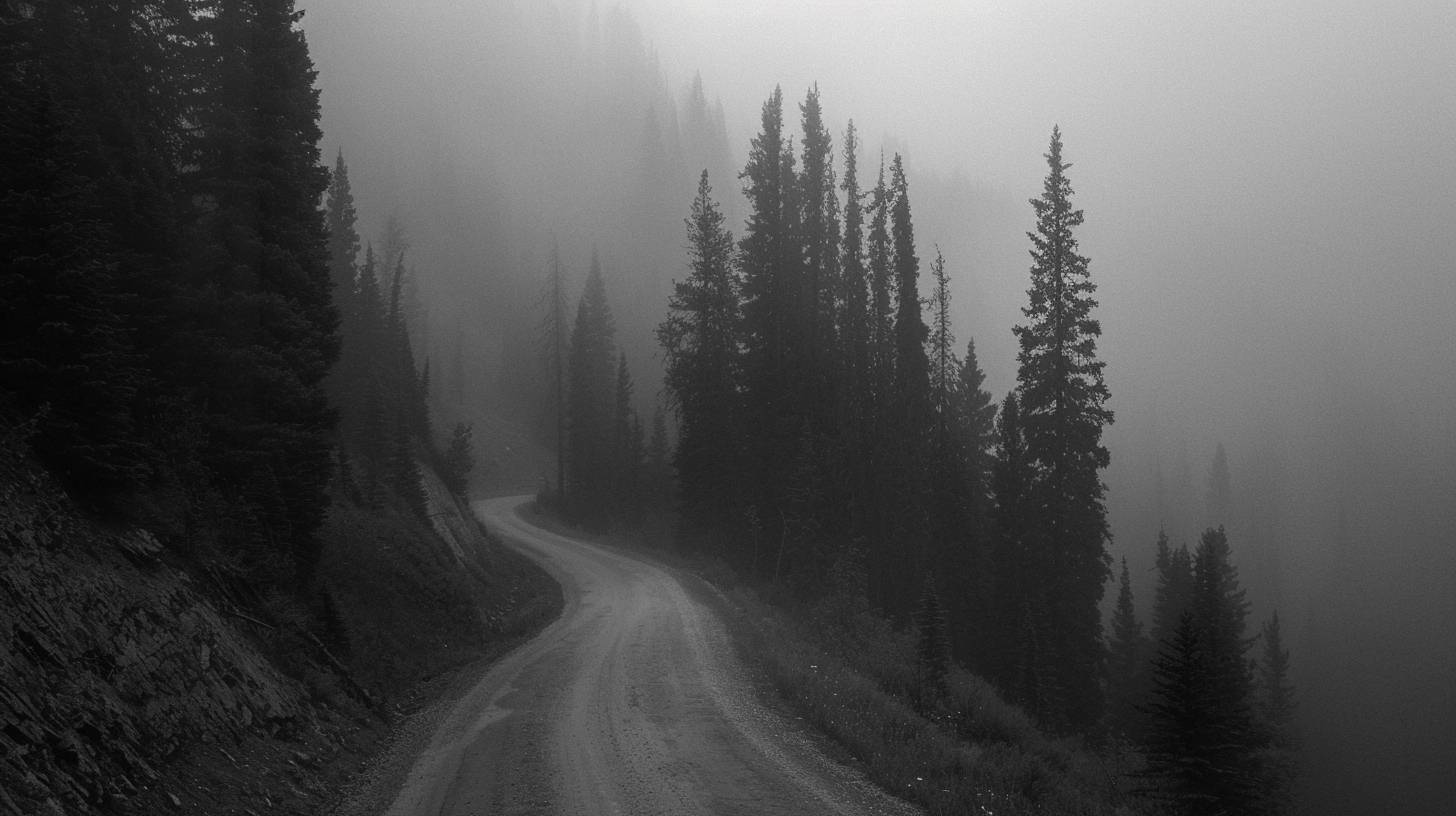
(135, 680)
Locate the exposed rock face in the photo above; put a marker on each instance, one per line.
(110, 659)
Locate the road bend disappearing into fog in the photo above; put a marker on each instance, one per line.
(633, 702)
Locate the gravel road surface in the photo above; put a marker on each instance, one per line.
(633, 702)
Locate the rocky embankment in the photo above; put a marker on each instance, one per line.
(131, 683)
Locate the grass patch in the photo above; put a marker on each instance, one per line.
(965, 752)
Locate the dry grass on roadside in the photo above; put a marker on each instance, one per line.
(968, 752)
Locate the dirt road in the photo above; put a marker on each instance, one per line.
(631, 703)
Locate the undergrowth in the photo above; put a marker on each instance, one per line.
(964, 751)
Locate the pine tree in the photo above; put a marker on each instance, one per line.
(913, 419)
(1182, 731)
(949, 502)
(263, 320)
(857, 391)
(854, 283)
(774, 320)
(68, 355)
(1127, 679)
(1203, 745)
(590, 375)
(702, 341)
(940, 349)
(882, 414)
(880, 254)
(1221, 611)
(627, 448)
(554, 333)
(973, 607)
(1015, 567)
(1276, 694)
(341, 221)
(1062, 400)
(1175, 588)
(819, 237)
(912, 378)
(977, 421)
(1274, 709)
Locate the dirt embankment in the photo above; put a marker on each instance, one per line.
(132, 682)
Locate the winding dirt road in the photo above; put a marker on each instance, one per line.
(631, 703)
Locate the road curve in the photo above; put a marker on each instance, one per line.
(631, 703)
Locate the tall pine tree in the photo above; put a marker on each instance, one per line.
(702, 343)
(591, 373)
(1062, 400)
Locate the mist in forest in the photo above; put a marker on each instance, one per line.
(1268, 201)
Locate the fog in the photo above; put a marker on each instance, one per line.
(1270, 200)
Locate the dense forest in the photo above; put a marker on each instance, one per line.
(202, 328)
(184, 319)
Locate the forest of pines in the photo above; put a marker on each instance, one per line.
(827, 424)
(183, 313)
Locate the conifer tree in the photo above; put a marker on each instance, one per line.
(1175, 588)
(340, 220)
(1276, 694)
(945, 366)
(627, 447)
(1127, 679)
(882, 415)
(973, 607)
(819, 237)
(913, 419)
(770, 263)
(1220, 608)
(1015, 568)
(261, 282)
(854, 283)
(78, 211)
(1274, 708)
(590, 374)
(880, 253)
(1062, 400)
(949, 480)
(1203, 745)
(977, 421)
(857, 389)
(554, 334)
(702, 342)
(1182, 730)
(912, 379)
